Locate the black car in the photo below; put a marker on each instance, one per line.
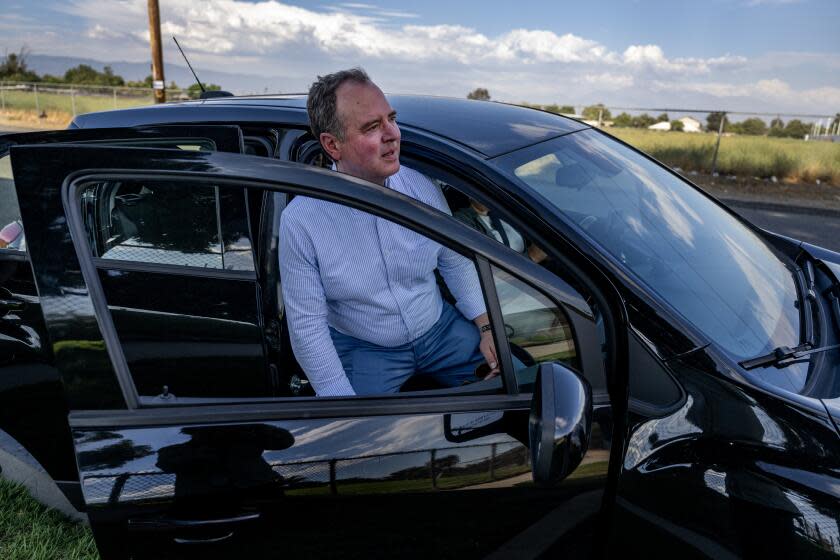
(670, 373)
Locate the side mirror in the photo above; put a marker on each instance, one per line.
(560, 423)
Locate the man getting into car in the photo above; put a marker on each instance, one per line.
(363, 307)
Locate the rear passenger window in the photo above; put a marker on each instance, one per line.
(160, 222)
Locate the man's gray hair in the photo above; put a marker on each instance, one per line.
(322, 105)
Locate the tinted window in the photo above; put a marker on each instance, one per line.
(718, 273)
(372, 307)
(537, 329)
(167, 223)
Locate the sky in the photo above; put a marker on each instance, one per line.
(748, 55)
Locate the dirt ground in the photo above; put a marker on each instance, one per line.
(755, 189)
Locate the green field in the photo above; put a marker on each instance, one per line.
(744, 156)
(62, 102)
(30, 531)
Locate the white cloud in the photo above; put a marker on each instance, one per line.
(288, 45)
(215, 27)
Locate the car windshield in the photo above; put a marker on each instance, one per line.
(713, 269)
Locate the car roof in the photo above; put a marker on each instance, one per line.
(487, 127)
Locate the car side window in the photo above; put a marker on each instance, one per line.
(537, 328)
(363, 311)
(11, 228)
(161, 222)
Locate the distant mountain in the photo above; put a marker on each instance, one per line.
(235, 83)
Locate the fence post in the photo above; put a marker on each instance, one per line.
(3, 94)
(37, 105)
(717, 145)
(73, 100)
(115, 98)
(600, 117)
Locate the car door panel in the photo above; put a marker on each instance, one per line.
(333, 476)
(33, 403)
(416, 475)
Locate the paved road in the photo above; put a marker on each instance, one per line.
(819, 228)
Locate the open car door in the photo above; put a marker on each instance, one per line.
(28, 378)
(517, 464)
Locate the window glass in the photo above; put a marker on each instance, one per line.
(537, 329)
(717, 272)
(161, 222)
(368, 288)
(11, 229)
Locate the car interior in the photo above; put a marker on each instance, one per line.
(116, 212)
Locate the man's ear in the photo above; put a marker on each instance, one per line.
(331, 145)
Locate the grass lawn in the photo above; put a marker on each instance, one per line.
(744, 156)
(30, 531)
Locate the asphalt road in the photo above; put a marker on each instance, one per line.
(814, 226)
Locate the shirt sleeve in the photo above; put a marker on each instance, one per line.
(458, 271)
(306, 311)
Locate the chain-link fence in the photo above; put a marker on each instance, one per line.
(73, 99)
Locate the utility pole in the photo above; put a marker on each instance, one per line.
(158, 81)
(717, 145)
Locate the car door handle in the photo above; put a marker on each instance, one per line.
(166, 524)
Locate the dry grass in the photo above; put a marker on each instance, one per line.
(17, 118)
(745, 156)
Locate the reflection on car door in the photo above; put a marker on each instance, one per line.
(24, 346)
(417, 476)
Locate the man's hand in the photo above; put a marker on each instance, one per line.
(488, 350)
(487, 346)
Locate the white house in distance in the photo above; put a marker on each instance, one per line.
(690, 124)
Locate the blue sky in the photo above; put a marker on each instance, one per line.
(768, 55)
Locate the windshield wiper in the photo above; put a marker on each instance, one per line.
(783, 356)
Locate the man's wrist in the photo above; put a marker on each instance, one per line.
(485, 328)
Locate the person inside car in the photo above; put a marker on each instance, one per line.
(362, 303)
(479, 217)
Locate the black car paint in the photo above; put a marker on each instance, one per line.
(717, 430)
(63, 272)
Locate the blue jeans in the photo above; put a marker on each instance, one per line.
(448, 353)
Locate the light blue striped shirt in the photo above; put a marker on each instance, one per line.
(366, 277)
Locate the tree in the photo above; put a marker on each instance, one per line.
(564, 110)
(662, 118)
(85, 74)
(643, 121)
(194, 91)
(753, 126)
(677, 126)
(797, 129)
(623, 120)
(713, 121)
(480, 94)
(592, 112)
(13, 68)
(145, 83)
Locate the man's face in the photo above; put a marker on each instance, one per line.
(371, 146)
